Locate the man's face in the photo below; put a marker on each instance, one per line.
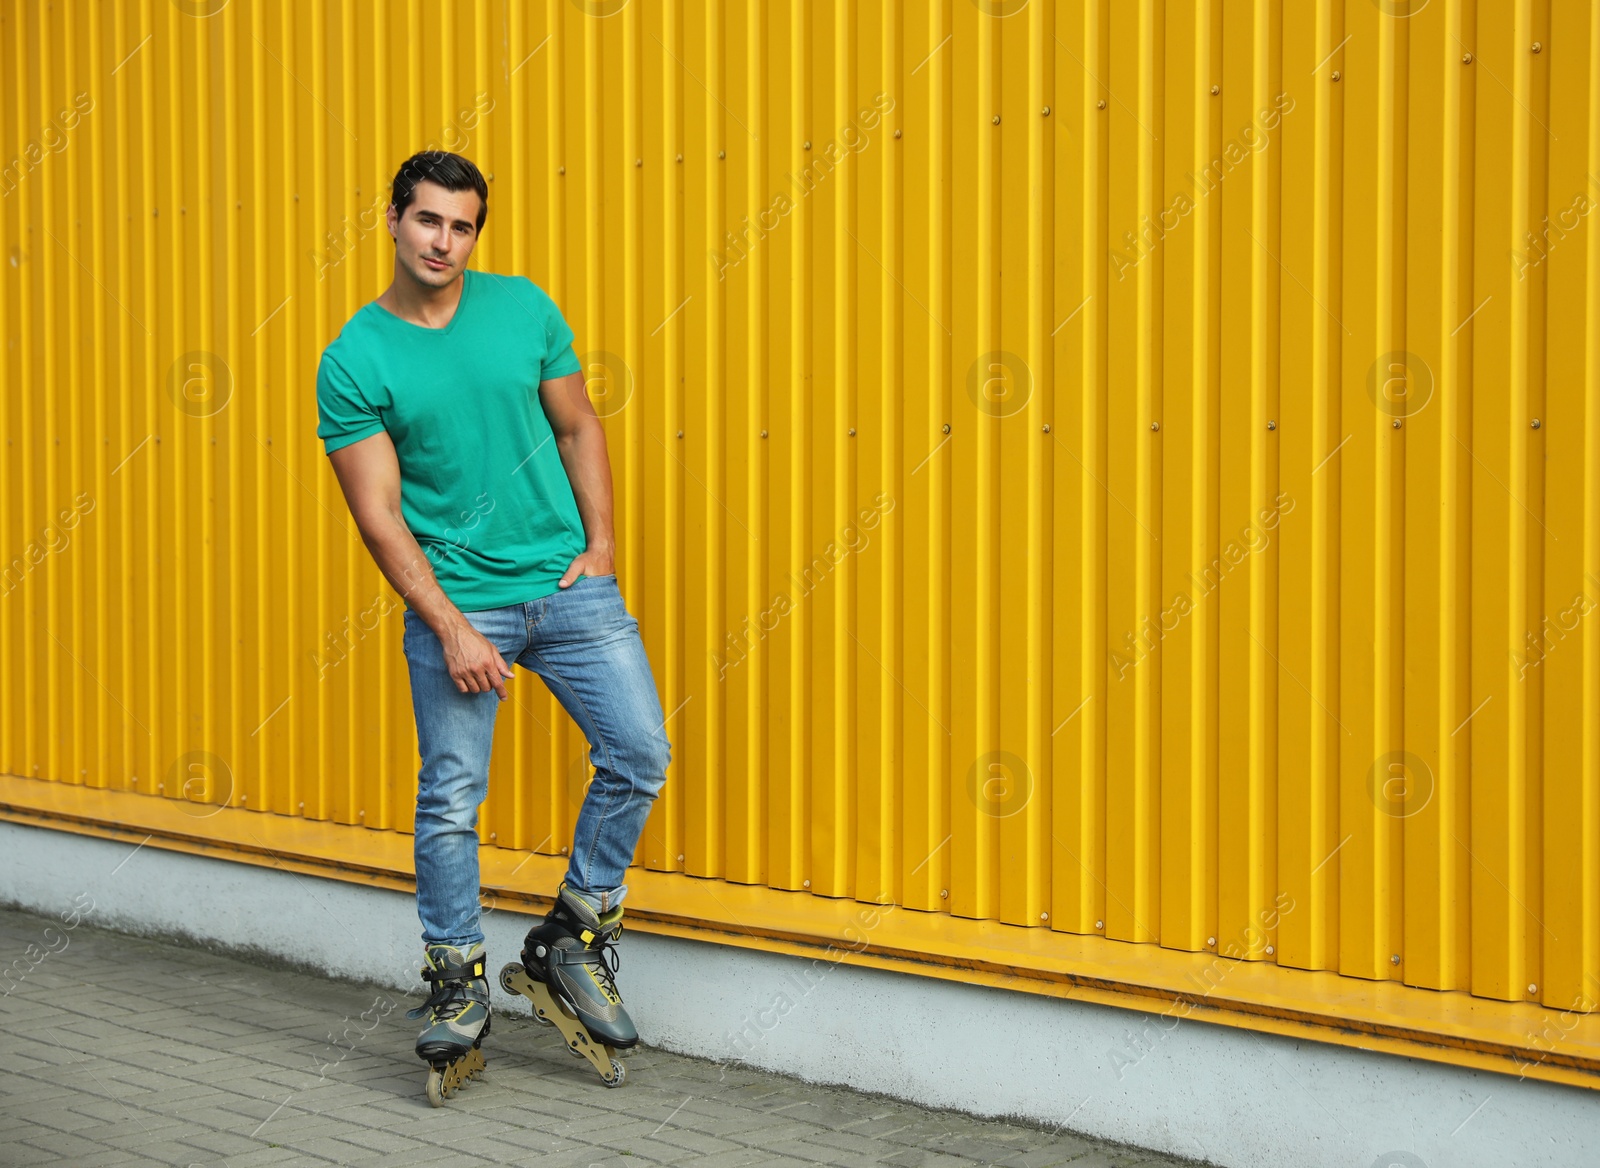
(437, 234)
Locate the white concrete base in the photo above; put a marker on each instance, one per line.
(1209, 1092)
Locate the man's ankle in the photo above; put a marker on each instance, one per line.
(601, 902)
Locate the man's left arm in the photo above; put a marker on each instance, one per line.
(581, 441)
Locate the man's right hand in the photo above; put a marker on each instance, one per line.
(475, 664)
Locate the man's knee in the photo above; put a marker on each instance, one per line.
(452, 800)
(647, 758)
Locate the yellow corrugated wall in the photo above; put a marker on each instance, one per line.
(1112, 466)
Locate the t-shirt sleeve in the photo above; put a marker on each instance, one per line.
(559, 359)
(344, 415)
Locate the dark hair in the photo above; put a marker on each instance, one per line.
(450, 171)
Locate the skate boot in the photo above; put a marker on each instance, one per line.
(458, 1018)
(568, 972)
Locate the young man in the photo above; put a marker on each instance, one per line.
(455, 416)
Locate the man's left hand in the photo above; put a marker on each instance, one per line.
(593, 562)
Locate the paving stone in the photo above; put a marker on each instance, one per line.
(105, 1158)
(925, 1158)
(144, 1052)
(264, 1157)
(378, 1140)
(693, 1141)
(68, 1146)
(853, 1148)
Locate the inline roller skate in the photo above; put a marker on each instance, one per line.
(568, 972)
(458, 1018)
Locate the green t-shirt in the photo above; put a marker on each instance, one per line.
(483, 487)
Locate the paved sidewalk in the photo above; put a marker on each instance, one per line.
(126, 1051)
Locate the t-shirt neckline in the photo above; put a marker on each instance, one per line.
(461, 304)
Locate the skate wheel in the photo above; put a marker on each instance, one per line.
(506, 974)
(618, 1074)
(435, 1088)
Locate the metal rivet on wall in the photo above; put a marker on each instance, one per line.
(1271, 424)
(1045, 111)
(997, 119)
(638, 162)
(1155, 425)
(944, 893)
(1537, 47)
(1099, 924)
(763, 433)
(561, 170)
(1102, 103)
(1533, 987)
(805, 884)
(1336, 75)
(1216, 89)
(1397, 423)
(808, 144)
(680, 433)
(1044, 916)
(1211, 942)
(680, 859)
(1535, 423)
(1394, 960)
(1270, 951)
(1466, 58)
(852, 431)
(1047, 427)
(897, 133)
(680, 158)
(947, 427)
(722, 154)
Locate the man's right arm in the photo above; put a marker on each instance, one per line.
(369, 474)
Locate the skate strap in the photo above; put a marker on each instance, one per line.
(608, 935)
(602, 955)
(449, 994)
(459, 972)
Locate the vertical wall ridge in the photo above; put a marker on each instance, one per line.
(1589, 760)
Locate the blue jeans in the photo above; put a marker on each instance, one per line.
(585, 645)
